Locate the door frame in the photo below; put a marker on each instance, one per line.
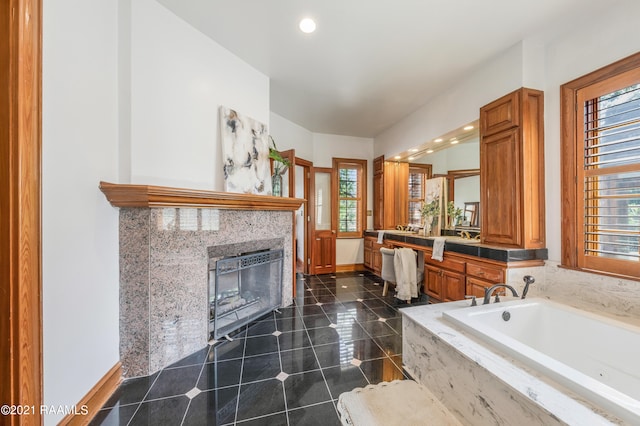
(20, 201)
(307, 167)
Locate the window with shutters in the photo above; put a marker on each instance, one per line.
(601, 160)
(418, 174)
(351, 196)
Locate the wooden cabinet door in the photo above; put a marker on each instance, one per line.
(395, 189)
(500, 178)
(433, 282)
(376, 260)
(378, 201)
(368, 250)
(453, 286)
(501, 114)
(368, 258)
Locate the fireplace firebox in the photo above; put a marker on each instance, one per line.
(243, 288)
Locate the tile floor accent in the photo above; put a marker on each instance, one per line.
(288, 368)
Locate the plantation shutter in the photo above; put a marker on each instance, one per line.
(610, 175)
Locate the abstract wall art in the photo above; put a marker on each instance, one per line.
(245, 152)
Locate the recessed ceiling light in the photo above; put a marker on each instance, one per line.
(438, 140)
(413, 150)
(429, 151)
(455, 141)
(468, 128)
(411, 158)
(397, 157)
(307, 25)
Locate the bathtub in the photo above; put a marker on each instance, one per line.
(594, 356)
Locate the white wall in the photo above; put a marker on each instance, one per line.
(80, 228)
(289, 135)
(455, 106)
(593, 44)
(179, 78)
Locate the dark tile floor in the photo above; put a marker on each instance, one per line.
(288, 368)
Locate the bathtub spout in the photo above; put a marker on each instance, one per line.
(489, 291)
(528, 279)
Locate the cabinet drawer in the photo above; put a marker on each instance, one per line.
(368, 243)
(448, 262)
(491, 273)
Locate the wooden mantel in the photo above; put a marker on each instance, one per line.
(127, 195)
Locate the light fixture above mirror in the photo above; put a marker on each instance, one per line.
(466, 133)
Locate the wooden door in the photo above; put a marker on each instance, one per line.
(323, 251)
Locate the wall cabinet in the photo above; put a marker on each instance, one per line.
(390, 193)
(512, 170)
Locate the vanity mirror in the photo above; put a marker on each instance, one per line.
(456, 156)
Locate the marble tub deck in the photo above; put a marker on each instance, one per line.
(479, 384)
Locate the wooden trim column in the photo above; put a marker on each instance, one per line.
(20, 207)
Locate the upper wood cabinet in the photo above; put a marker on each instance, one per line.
(390, 193)
(501, 114)
(512, 170)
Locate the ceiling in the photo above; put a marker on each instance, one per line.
(370, 62)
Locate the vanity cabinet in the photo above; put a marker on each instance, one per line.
(372, 255)
(444, 281)
(512, 170)
(390, 193)
(458, 275)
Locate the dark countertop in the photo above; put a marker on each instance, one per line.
(484, 251)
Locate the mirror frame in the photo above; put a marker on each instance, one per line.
(452, 175)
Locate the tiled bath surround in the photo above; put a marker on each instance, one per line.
(592, 292)
(164, 276)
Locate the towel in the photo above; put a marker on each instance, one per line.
(380, 236)
(438, 248)
(405, 265)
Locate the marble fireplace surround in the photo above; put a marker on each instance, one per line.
(164, 267)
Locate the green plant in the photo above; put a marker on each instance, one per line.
(280, 164)
(431, 209)
(453, 211)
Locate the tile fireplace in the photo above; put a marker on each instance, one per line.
(165, 249)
